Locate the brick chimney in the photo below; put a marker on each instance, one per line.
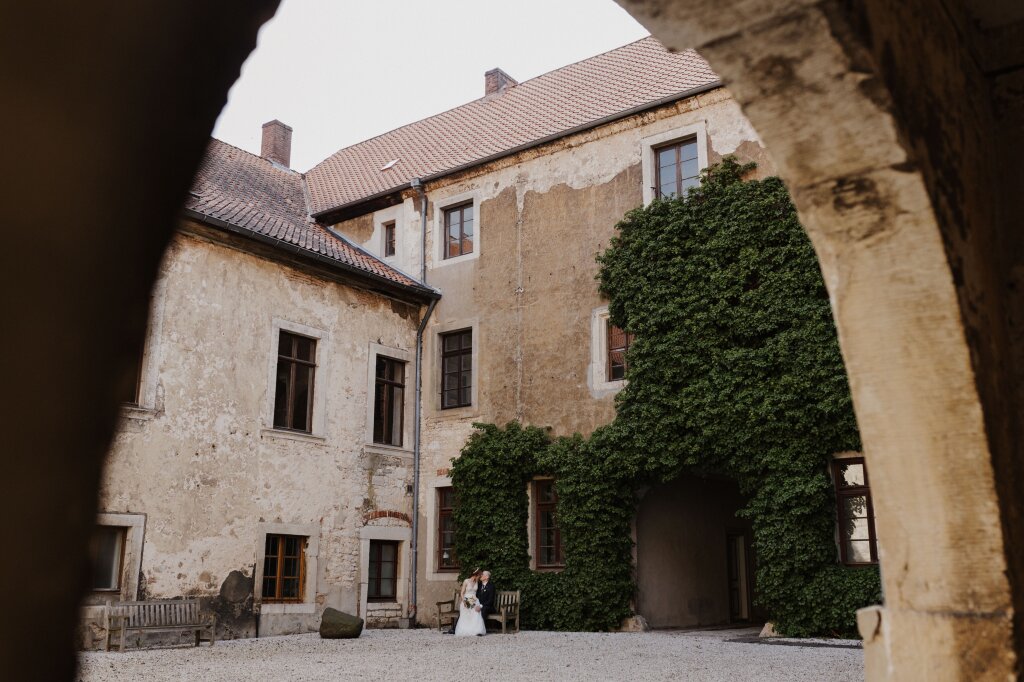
(277, 142)
(497, 81)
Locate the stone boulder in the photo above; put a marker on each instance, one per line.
(338, 625)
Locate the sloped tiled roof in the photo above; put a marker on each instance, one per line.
(630, 77)
(249, 192)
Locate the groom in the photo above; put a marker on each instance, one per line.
(485, 595)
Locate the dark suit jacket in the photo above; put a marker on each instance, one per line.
(485, 594)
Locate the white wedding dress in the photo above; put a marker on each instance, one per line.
(471, 621)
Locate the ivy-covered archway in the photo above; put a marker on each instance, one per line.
(735, 370)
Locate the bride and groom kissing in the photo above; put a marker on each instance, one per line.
(476, 600)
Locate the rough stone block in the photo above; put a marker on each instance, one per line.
(338, 625)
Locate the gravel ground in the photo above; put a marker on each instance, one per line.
(428, 655)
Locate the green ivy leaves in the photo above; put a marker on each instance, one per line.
(735, 369)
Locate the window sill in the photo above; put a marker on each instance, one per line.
(294, 435)
(603, 389)
(137, 412)
(382, 604)
(457, 412)
(382, 449)
(549, 569)
(287, 608)
(443, 262)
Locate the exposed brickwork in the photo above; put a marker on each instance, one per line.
(497, 81)
(277, 143)
(386, 514)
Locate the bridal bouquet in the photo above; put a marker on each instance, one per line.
(470, 602)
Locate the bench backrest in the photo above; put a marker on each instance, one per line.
(157, 613)
(507, 598)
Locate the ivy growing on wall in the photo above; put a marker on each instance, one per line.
(735, 369)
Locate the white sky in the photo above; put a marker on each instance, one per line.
(342, 71)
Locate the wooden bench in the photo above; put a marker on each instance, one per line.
(159, 615)
(506, 610)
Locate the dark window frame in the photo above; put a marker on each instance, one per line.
(610, 365)
(447, 213)
(390, 232)
(384, 397)
(290, 357)
(135, 397)
(278, 575)
(464, 393)
(845, 491)
(378, 596)
(446, 511)
(552, 506)
(678, 146)
(123, 532)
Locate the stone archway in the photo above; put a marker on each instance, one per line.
(897, 127)
(694, 563)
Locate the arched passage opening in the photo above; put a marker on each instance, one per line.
(694, 556)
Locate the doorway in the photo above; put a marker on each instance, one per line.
(693, 556)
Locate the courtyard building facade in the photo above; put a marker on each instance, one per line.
(273, 459)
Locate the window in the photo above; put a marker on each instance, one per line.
(676, 168)
(389, 401)
(106, 550)
(130, 392)
(857, 541)
(383, 577)
(618, 343)
(549, 538)
(446, 557)
(458, 227)
(457, 369)
(389, 239)
(293, 395)
(284, 568)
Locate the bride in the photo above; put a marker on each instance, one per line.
(471, 621)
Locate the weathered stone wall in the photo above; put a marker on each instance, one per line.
(200, 460)
(529, 291)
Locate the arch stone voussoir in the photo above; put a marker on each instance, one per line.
(815, 96)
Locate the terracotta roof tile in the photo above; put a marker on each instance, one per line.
(641, 73)
(244, 190)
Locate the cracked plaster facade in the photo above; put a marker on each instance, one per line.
(199, 461)
(528, 291)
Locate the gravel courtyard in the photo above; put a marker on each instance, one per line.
(427, 655)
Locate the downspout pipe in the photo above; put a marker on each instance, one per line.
(417, 184)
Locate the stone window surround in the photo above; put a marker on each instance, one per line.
(310, 531)
(597, 374)
(471, 196)
(408, 399)
(400, 534)
(532, 527)
(392, 214)
(433, 575)
(696, 131)
(849, 454)
(432, 370)
(320, 387)
(149, 368)
(131, 566)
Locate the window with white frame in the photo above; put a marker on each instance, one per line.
(293, 392)
(671, 160)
